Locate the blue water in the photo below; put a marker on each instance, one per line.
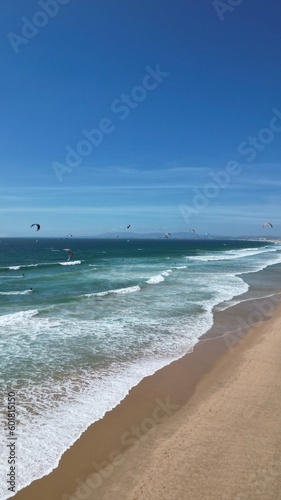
(93, 327)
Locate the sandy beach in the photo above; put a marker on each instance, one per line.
(205, 427)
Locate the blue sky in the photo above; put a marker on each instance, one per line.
(173, 92)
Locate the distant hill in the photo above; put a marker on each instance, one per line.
(129, 235)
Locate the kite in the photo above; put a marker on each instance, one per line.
(38, 226)
(267, 224)
(70, 254)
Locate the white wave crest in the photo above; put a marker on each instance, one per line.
(166, 273)
(18, 317)
(129, 289)
(70, 263)
(155, 279)
(231, 254)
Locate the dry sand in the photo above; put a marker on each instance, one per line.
(205, 427)
(225, 443)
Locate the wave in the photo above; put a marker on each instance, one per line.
(31, 323)
(158, 278)
(155, 279)
(23, 292)
(262, 265)
(166, 273)
(70, 263)
(25, 266)
(129, 289)
(18, 317)
(231, 254)
(74, 408)
(41, 264)
(226, 305)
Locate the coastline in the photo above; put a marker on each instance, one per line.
(225, 443)
(149, 410)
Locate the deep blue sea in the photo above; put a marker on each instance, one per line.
(92, 327)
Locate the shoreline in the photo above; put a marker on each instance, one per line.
(224, 443)
(153, 401)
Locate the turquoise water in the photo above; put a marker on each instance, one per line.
(93, 327)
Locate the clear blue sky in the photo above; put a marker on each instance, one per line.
(176, 89)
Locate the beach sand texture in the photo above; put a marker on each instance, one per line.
(225, 443)
(220, 441)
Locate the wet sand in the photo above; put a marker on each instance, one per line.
(204, 427)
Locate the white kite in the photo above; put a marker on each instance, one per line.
(70, 254)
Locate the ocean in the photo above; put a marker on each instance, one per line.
(77, 335)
